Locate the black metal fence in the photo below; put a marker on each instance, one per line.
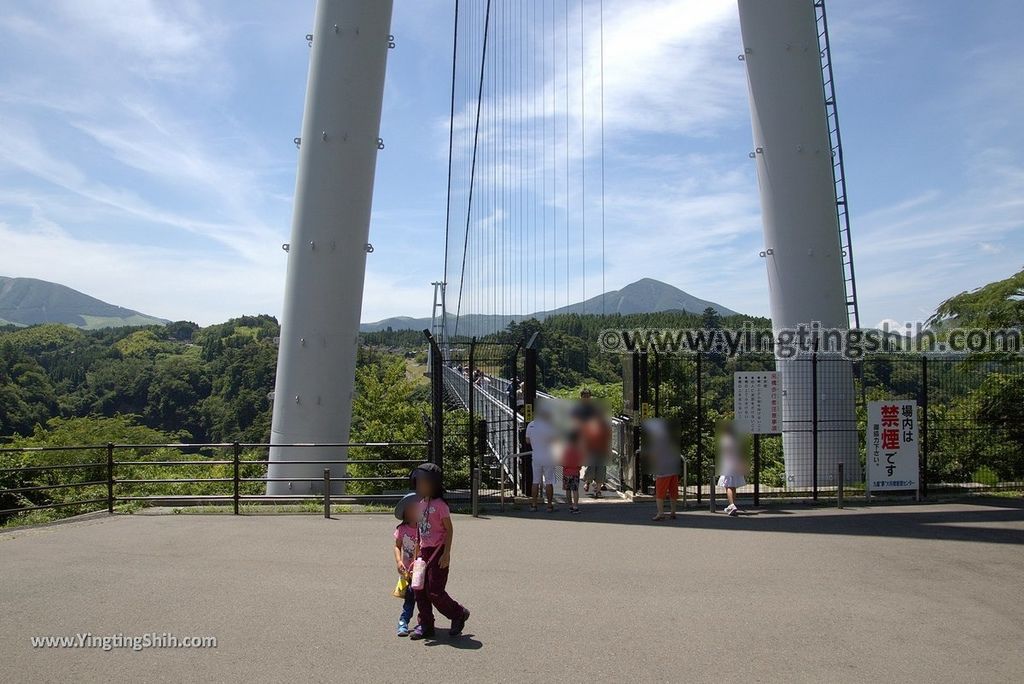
(82, 478)
(971, 419)
(478, 384)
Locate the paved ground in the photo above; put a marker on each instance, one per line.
(910, 593)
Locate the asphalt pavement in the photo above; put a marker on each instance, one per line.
(896, 593)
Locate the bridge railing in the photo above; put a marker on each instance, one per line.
(492, 399)
(487, 403)
(80, 478)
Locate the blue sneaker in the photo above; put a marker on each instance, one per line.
(458, 624)
(403, 629)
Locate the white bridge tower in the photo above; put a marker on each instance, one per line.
(327, 252)
(804, 252)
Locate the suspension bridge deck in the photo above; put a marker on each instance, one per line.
(919, 592)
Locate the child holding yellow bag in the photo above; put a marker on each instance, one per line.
(406, 543)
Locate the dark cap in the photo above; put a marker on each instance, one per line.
(403, 504)
(431, 471)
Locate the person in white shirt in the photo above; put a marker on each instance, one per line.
(541, 435)
(731, 467)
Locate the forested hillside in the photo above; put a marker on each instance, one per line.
(65, 386)
(208, 384)
(212, 384)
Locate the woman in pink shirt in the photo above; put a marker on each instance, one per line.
(435, 532)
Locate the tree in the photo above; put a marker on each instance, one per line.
(995, 306)
(382, 410)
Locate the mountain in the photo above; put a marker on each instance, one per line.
(644, 296)
(27, 301)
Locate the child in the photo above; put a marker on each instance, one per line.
(406, 542)
(572, 461)
(435, 535)
(664, 459)
(730, 467)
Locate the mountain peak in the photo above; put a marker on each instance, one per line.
(28, 301)
(646, 295)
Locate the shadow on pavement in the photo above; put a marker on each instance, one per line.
(464, 642)
(981, 520)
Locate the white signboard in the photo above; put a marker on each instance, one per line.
(756, 402)
(892, 458)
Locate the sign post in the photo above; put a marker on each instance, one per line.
(892, 447)
(756, 402)
(756, 408)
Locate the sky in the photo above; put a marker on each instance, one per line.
(146, 153)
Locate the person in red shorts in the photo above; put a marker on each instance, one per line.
(664, 458)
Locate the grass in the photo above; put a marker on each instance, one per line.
(416, 373)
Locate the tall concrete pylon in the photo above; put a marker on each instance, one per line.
(328, 248)
(803, 253)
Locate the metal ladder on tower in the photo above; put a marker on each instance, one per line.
(838, 171)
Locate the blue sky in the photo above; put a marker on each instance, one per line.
(146, 154)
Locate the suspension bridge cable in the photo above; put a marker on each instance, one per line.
(472, 173)
(544, 151)
(568, 192)
(583, 149)
(451, 138)
(603, 288)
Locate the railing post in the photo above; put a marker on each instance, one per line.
(711, 492)
(700, 428)
(657, 385)
(476, 492)
(924, 426)
(436, 448)
(685, 485)
(529, 402)
(643, 394)
(839, 489)
(110, 477)
(235, 462)
(757, 470)
(481, 441)
(471, 401)
(327, 493)
(814, 425)
(513, 393)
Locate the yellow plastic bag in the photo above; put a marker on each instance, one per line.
(403, 584)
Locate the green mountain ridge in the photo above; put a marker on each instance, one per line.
(646, 295)
(30, 301)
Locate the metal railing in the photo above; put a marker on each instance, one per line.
(110, 481)
(490, 401)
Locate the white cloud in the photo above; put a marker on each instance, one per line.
(159, 281)
(124, 157)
